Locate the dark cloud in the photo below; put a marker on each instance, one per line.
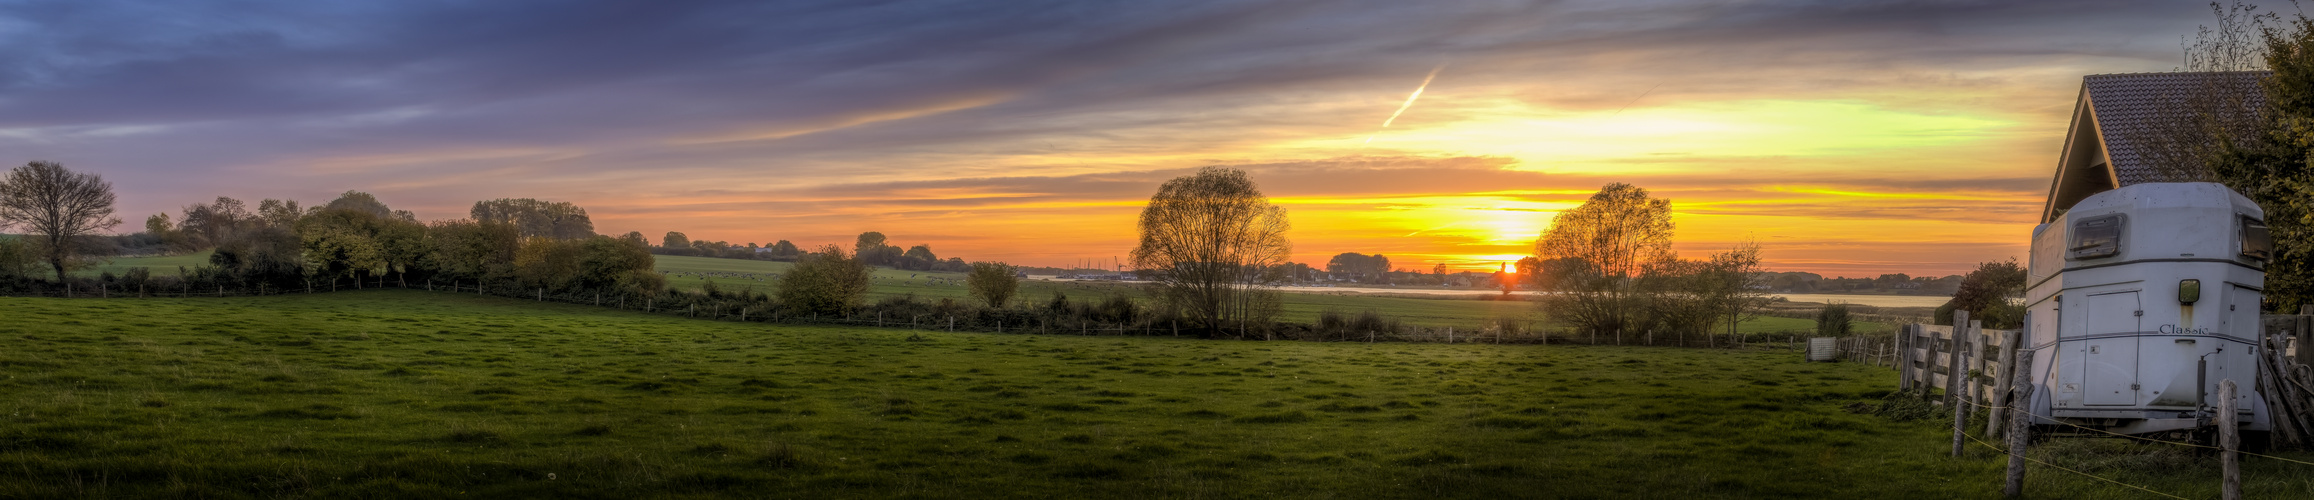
(930, 107)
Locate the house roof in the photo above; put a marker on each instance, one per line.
(2104, 148)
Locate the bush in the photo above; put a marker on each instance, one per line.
(1833, 321)
(993, 283)
(825, 282)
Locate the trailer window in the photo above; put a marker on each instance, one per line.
(2257, 243)
(2096, 237)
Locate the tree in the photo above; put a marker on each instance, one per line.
(469, 250)
(1985, 294)
(1209, 242)
(825, 282)
(919, 257)
(279, 213)
(675, 239)
(621, 265)
(58, 207)
(363, 202)
(868, 241)
(785, 250)
(1592, 257)
(1438, 270)
(550, 219)
(1734, 285)
(17, 258)
(993, 283)
(1360, 267)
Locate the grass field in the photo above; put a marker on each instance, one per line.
(693, 273)
(404, 393)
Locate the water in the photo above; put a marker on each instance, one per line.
(1862, 300)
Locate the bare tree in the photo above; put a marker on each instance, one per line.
(1210, 241)
(2219, 107)
(58, 206)
(1593, 257)
(1734, 284)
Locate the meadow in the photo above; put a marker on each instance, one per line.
(695, 273)
(394, 393)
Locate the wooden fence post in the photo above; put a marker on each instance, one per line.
(2003, 383)
(1976, 350)
(1933, 349)
(2305, 334)
(2229, 438)
(2020, 420)
(1952, 382)
(1904, 356)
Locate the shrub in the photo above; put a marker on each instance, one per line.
(1833, 321)
(993, 283)
(827, 281)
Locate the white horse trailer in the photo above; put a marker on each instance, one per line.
(2140, 300)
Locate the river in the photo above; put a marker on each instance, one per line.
(1862, 300)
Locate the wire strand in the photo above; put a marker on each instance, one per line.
(2063, 468)
(2139, 438)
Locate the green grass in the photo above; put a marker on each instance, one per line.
(159, 266)
(414, 394)
(693, 273)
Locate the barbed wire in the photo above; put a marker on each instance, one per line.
(2066, 469)
(2139, 438)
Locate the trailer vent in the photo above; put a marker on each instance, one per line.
(2257, 242)
(2097, 237)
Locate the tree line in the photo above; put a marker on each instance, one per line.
(1211, 245)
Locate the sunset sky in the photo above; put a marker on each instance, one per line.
(1847, 138)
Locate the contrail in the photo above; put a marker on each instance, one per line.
(1627, 105)
(1410, 98)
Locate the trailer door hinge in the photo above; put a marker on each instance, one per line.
(2140, 314)
(2133, 387)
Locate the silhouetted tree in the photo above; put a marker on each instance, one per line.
(1209, 242)
(1593, 256)
(58, 207)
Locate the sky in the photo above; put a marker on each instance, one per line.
(1847, 138)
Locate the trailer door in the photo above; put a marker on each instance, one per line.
(2110, 352)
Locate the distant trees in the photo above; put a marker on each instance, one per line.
(358, 201)
(1210, 241)
(993, 283)
(1359, 267)
(356, 235)
(824, 282)
(675, 239)
(537, 218)
(783, 250)
(58, 207)
(465, 250)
